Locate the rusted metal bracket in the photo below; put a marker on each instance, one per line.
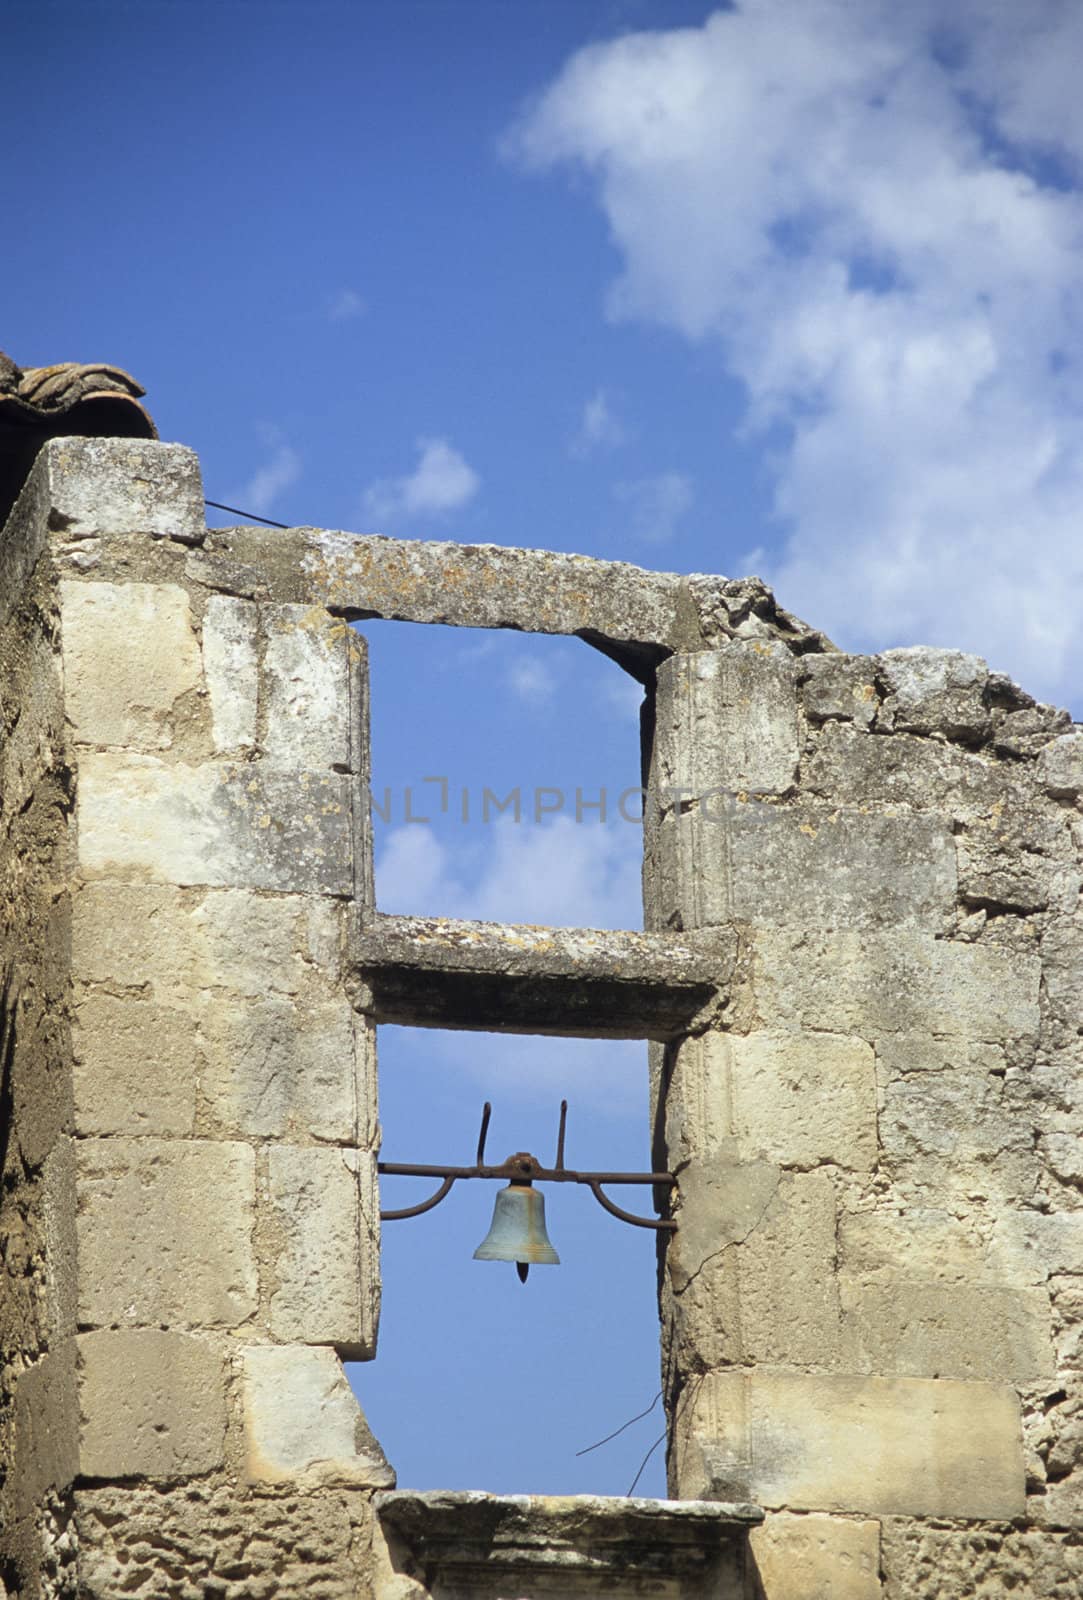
(525, 1168)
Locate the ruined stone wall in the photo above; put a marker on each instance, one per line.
(190, 1218)
(860, 973)
(872, 1305)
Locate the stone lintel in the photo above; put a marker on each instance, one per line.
(629, 613)
(443, 973)
(579, 1537)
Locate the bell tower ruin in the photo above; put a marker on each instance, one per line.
(860, 973)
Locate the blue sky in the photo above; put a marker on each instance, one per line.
(790, 287)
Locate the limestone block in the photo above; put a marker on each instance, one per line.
(840, 686)
(325, 1270)
(302, 1423)
(721, 1203)
(1010, 860)
(214, 824)
(726, 720)
(945, 1563)
(914, 1243)
(306, 667)
(803, 1099)
(179, 942)
(130, 655)
(1033, 1246)
(788, 1292)
(152, 1404)
(949, 1330)
(934, 691)
(811, 865)
(1062, 977)
(852, 767)
(793, 1099)
(165, 1233)
(870, 982)
(278, 1068)
(816, 1557)
(1027, 730)
(957, 1132)
(135, 1067)
(900, 1054)
(203, 1539)
(1060, 766)
(123, 486)
(231, 666)
(873, 1446)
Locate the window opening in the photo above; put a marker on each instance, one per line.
(481, 1382)
(505, 778)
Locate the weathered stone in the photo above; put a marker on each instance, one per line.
(816, 1557)
(793, 1099)
(146, 1254)
(788, 1293)
(986, 1563)
(306, 688)
(1060, 766)
(572, 1546)
(879, 1446)
(638, 613)
(277, 1068)
(726, 721)
(214, 824)
(325, 1270)
(955, 1131)
(912, 1243)
(934, 691)
(803, 1100)
(1032, 1246)
(946, 1330)
(858, 768)
(739, 860)
(868, 983)
(135, 1067)
(1009, 861)
(587, 981)
(231, 666)
(302, 1423)
(122, 487)
(153, 1404)
(130, 654)
(200, 1540)
(1027, 731)
(180, 943)
(840, 686)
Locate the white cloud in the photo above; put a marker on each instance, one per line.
(277, 474)
(875, 211)
(599, 427)
(441, 482)
(564, 874)
(655, 505)
(532, 680)
(345, 305)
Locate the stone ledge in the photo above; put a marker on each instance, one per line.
(580, 1538)
(444, 973)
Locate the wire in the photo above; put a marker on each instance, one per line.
(237, 512)
(622, 1427)
(661, 1439)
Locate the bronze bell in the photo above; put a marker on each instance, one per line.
(518, 1231)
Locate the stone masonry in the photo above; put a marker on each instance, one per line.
(860, 975)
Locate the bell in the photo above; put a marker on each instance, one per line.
(518, 1231)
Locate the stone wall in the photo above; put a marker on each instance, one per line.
(872, 1303)
(860, 973)
(191, 1221)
